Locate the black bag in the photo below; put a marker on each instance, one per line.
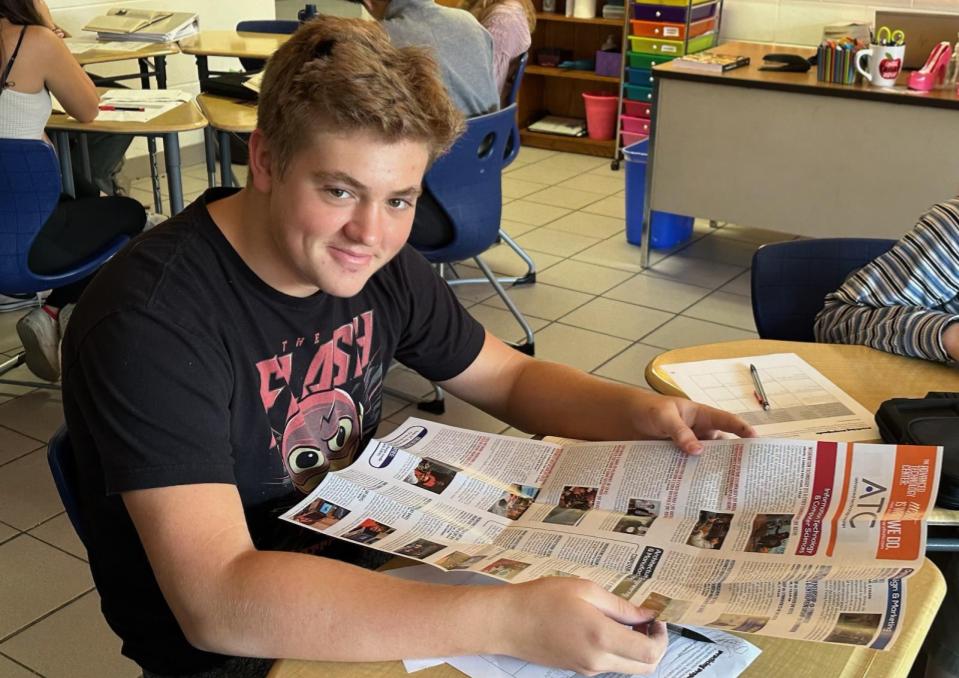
(229, 85)
(933, 420)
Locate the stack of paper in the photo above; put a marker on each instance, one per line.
(139, 105)
(129, 24)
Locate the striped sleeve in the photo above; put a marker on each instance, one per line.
(893, 303)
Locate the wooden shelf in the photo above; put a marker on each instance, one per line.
(556, 142)
(598, 21)
(572, 74)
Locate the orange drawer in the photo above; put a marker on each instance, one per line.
(657, 29)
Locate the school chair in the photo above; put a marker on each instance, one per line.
(63, 467)
(283, 26)
(30, 190)
(791, 279)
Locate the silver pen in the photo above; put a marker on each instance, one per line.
(760, 391)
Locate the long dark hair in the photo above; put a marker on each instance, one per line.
(20, 12)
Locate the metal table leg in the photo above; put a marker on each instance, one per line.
(209, 146)
(226, 171)
(144, 73)
(155, 175)
(171, 153)
(160, 70)
(85, 158)
(66, 165)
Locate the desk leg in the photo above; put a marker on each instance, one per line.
(226, 165)
(202, 69)
(160, 69)
(66, 165)
(171, 152)
(144, 73)
(85, 158)
(646, 233)
(155, 175)
(209, 145)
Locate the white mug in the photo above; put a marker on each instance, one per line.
(885, 63)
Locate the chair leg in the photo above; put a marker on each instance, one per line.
(529, 346)
(527, 278)
(16, 362)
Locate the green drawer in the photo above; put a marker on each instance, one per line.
(638, 93)
(647, 61)
(671, 48)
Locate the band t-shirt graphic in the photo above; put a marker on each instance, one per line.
(181, 366)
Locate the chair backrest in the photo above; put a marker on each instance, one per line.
(284, 26)
(515, 79)
(791, 279)
(63, 467)
(466, 184)
(29, 191)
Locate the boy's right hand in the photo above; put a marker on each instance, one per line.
(575, 624)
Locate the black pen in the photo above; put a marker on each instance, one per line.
(760, 391)
(689, 633)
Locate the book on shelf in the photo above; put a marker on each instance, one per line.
(710, 62)
(557, 124)
(149, 25)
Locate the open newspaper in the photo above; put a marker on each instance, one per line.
(797, 539)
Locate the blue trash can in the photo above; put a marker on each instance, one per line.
(668, 229)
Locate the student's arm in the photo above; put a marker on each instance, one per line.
(232, 599)
(65, 79)
(893, 303)
(543, 397)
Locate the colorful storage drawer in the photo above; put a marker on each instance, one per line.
(671, 47)
(671, 3)
(628, 138)
(635, 125)
(676, 15)
(637, 93)
(655, 29)
(647, 61)
(637, 109)
(639, 76)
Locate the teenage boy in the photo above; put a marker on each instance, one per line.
(219, 366)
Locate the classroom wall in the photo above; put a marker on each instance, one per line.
(800, 22)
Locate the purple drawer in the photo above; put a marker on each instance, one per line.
(643, 12)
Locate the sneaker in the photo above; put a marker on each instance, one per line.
(40, 335)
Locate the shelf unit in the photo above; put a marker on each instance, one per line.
(559, 91)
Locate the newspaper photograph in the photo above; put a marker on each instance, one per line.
(790, 538)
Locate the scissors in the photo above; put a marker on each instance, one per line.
(886, 36)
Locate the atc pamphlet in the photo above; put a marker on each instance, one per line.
(798, 539)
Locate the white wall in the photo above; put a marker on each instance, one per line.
(800, 22)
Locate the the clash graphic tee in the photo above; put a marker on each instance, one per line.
(182, 367)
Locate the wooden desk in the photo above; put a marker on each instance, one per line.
(167, 127)
(785, 152)
(226, 116)
(158, 52)
(230, 44)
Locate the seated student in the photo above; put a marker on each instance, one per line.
(906, 301)
(203, 363)
(510, 24)
(33, 63)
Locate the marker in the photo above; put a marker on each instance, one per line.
(760, 391)
(121, 108)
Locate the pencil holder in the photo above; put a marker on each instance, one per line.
(836, 63)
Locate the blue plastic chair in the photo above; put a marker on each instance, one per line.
(283, 26)
(29, 191)
(63, 467)
(791, 279)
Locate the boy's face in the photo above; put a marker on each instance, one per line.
(343, 209)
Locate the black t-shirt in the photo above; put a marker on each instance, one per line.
(181, 366)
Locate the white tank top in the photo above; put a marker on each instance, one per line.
(22, 114)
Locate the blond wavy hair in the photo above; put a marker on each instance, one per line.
(345, 75)
(483, 8)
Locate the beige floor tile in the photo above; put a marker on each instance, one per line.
(517, 188)
(458, 413)
(563, 197)
(577, 347)
(583, 277)
(723, 250)
(13, 445)
(592, 225)
(407, 382)
(606, 170)
(532, 213)
(59, 532)
(74, 642)
(630, 365)
(741, 284)
(385, 428)
(38, 414)
(197, 171)
(558, 243)
(616, 318)
(28, 496)
(391, 405)
(545, 172)
(660, 293)
(515, 228)
(602, 184)
(21, 373)
(726, 309)
(614, 252)
(528, 154)
(542, 301)
(8, 669)
(7, 532)
(471, 294)
(681, 332)
(9, 341)
(36, 580)
(577, 161)
(506, 262)
(502, 323)
(612, 206)
(700, 272)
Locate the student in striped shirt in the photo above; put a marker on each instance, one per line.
(905, 301)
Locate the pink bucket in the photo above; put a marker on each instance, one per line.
(600, 114)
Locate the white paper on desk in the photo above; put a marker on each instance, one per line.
(804, 403)
(154, 102)
(82, 44)
(727, 658)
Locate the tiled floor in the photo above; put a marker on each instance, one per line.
(591, 307)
